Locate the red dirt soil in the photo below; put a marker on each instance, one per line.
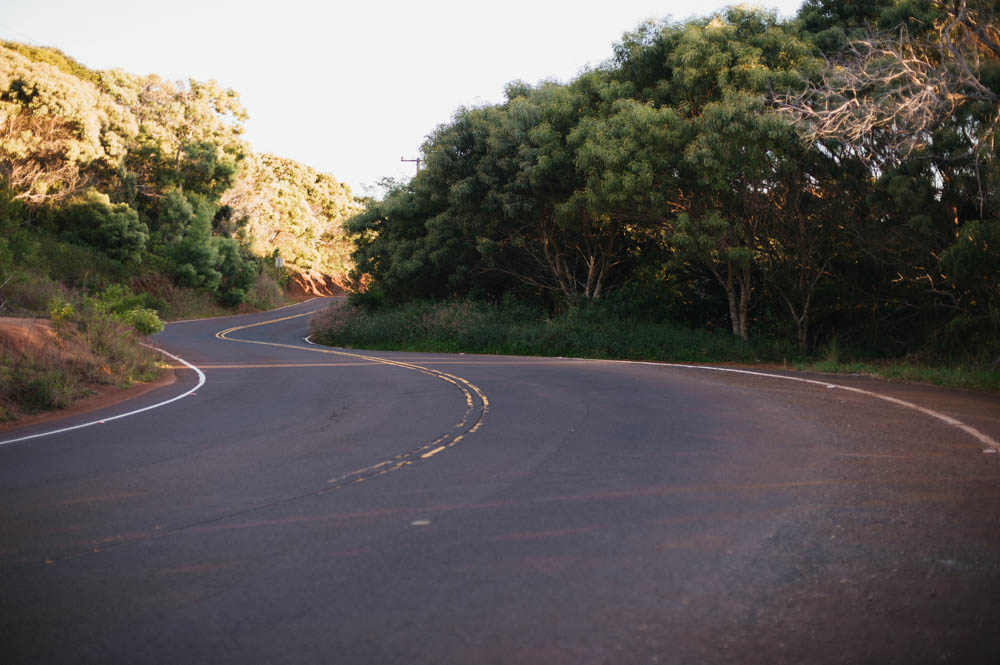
(21, 335)
(315, 284)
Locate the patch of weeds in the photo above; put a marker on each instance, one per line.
(977, 377)
(265, 293)
(92, 345)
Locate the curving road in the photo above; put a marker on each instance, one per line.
(313, 505)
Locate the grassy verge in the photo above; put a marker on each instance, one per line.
(97, 343)
(96, 340)
(473, 328)
(955, 376)
(589, 333)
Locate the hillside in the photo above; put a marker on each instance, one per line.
(128, 199)
(110, 177)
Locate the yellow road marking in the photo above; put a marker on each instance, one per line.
(469, 390)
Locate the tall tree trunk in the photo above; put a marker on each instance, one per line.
(734, 310)
(737, 285)
(744, 286)
(803, 334)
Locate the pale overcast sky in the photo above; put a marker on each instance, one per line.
(347, 88)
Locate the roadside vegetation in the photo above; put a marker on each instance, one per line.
(88, 342)
(117, 188)
(822, 190)
(975, 376)
(112, 178)
(588, 331)
(603, 330)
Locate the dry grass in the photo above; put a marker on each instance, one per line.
(45, 367)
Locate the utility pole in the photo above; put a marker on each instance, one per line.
(417, 161)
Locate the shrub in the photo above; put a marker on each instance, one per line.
(477, 328)
(195, 256)
(119, 298)
(265, 293)
(114, 342)
(233, 297)
(30, 293)
(60, 311)
(77, 266)
(239, 270)
(114, 229)
(144, 321)
(38, 376)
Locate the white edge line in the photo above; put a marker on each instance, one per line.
(201, 382)
(971, 431)
(308, 340)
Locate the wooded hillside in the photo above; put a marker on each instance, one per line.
(107, 176)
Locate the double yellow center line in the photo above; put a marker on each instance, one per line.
(476, 403)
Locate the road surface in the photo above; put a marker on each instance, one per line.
(314, 505)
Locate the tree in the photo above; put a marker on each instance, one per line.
(190, 133)
(114, 229)
(409, 247)
(901, 87)
(295, 209)
(538, 225)
(135, 165)
(921, 105)
(723, 176)
(59, 134)
(195, 256)
(239, 270)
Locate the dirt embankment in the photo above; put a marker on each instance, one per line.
(20, 336)
(316, 284)
(25, 335)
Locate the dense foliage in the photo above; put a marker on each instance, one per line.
(703, 168)
(281, 204)
(109, 177)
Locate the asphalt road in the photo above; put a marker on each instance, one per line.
(312, 505)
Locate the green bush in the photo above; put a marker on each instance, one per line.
(587, 332)
(114, 342)
(233, 297)
(76, 266)
(195, 256)
(239, 270)
(61, 311)
(114, 229)
(174, 216)
(144, 321)
(30, 293)
(95, 347)
(119, 298)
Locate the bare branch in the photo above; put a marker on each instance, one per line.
(886, 93)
